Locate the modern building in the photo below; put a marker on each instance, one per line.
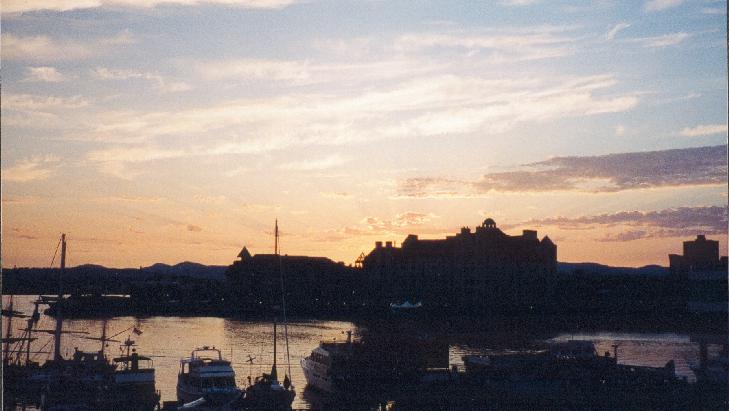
(481, 268)
(703, 273)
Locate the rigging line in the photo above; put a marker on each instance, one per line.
(56, 252)
(42, 348)
(120, 332)
(283, 302)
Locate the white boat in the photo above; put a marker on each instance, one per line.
(320, 367)
(207, 375)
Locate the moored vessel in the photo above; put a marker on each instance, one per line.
(205, 374)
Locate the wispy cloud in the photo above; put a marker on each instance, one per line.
(616, 29)
(518, 3)
(607, 173)
(338, 195)
(704, 130)
(316, 164)
(658, 5)
(44, 48)
(20, 6)
(635, 225)
(666, 40)
(30, 169)
(43, 74)
(713, 10)
(428, 106)
(162, 84)
(36, 111)
(503, 45)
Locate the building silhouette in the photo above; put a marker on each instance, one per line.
(485, 268)
(310, 284)
(702, 274)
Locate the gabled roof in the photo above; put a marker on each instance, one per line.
(244, 254)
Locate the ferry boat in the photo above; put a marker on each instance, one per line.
(321, 367)
(207, 375)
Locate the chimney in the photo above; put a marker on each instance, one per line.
(700, 237)
(529, 234)
(378, 244)
(388, 244)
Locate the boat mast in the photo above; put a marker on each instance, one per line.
(31, 322)
(59, 319)
(9, 332)
(283, 300)
(274, 374)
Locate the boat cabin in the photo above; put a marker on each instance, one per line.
(206, 368)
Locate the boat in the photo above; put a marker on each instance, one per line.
(86, 380)
(266, 392)
(134, 379)
(323, 367)
(206, 375)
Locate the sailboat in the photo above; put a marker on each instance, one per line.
(84, 381)
(267, 393)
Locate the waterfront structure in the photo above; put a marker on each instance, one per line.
(485, 267)
(312, 284)
(703, 275)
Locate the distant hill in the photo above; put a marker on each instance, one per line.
(606, 270)
(97, 278)
(189, 269)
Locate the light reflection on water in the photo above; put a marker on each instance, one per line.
(168, 339)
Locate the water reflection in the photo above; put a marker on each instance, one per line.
(168, 339)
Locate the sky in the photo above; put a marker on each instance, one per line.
(179, 130)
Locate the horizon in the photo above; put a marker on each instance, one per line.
(159, 131)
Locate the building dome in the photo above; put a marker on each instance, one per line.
(489, 223)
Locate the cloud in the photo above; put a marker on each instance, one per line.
(713, 10)
(43, 74)
(33, 111)
(704, 130)
(620, 130)
(606, 173)
(21, 6)
(672, 222)
(193, 228)
(616, 29)
(30, 169)
(109, 74)
(44, 48)
(659, 5)
(338, 195)
(400, 224)
(666, 40)
(518, 3)
(503, 45)
(315, 164)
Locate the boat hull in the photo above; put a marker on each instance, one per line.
(317, 376)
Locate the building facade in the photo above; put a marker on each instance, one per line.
(703, 275)
(485, 268)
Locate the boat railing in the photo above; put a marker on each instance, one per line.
(196, 353)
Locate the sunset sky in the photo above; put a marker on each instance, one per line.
(178, 130)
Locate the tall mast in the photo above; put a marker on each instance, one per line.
(59, 319)
(275, 244)
(103, 338)
(9, 332)
(31, 322)
(274, 374)
(283, 300)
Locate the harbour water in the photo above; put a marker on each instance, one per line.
(168, 339)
